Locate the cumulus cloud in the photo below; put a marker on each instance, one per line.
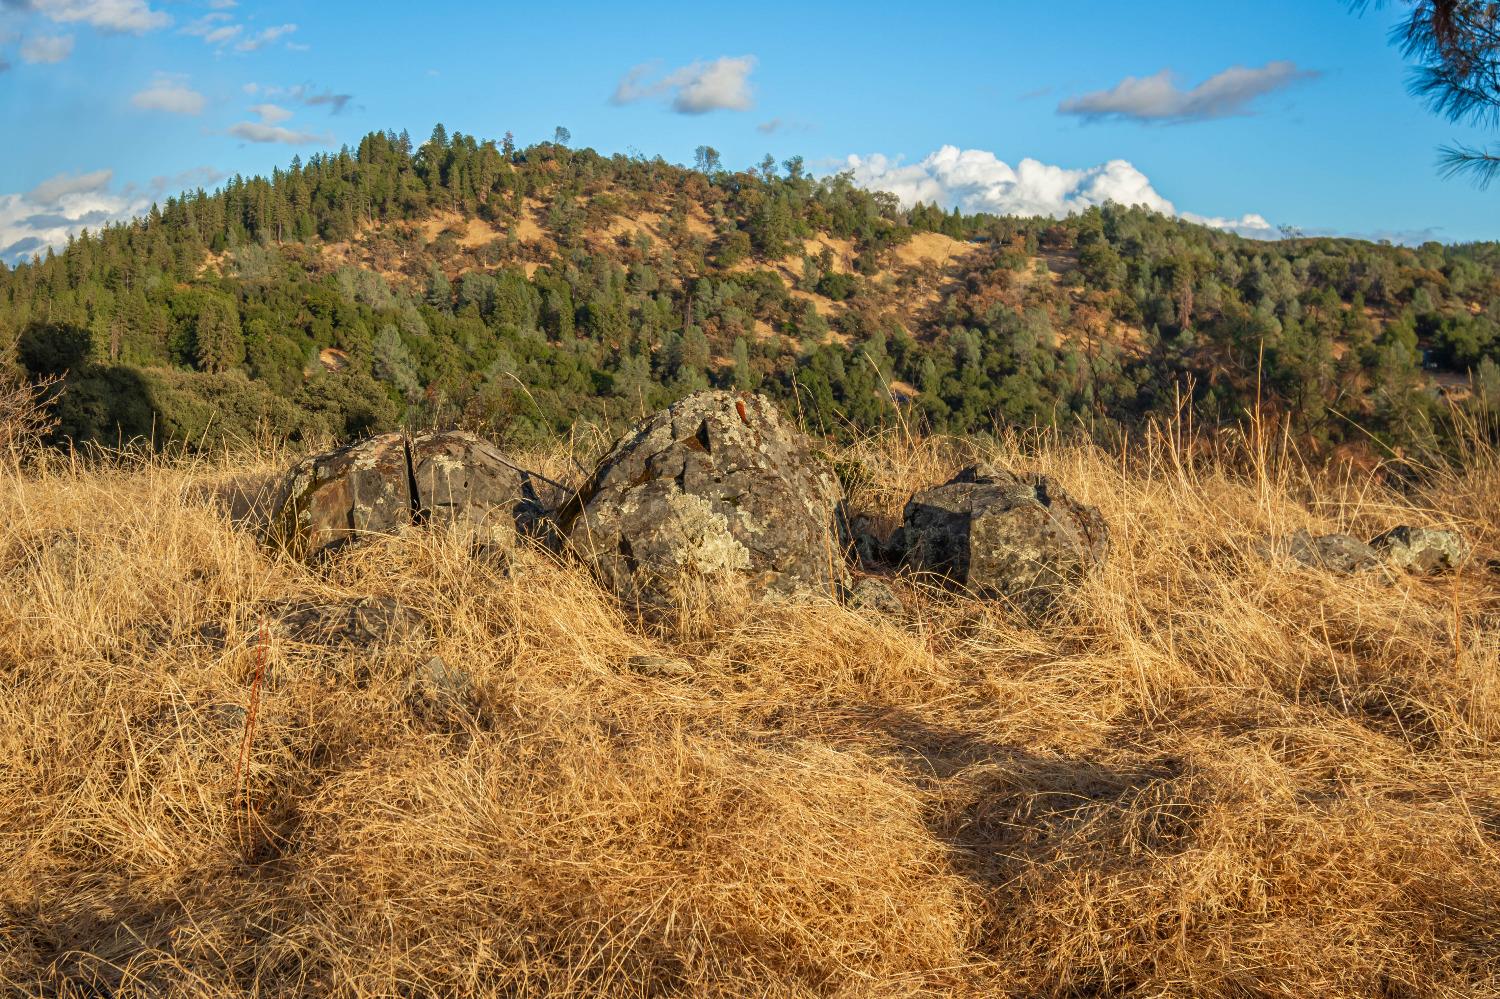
(1250, 225)
(256, 131)
(720, 85)
(47, 48)
(57, 208)
(1158, 98)
(170, 94)
(132, 16)
(63, 206)
(976, 180)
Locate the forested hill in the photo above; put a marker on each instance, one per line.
(519, 290)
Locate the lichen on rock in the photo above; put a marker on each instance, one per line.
(391, 482)
(715, 489)
(1000, 535)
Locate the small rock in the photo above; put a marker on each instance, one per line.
(1335, 552)
(440, 686)
(876, 597)
(997, 534)
(365, 623)
(1422, 550)
(227, 717)
(864, 538)
(660, 667)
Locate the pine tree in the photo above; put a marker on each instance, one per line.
(744, 377)
(392, 362)
(218, 344)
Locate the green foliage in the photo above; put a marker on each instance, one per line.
(217, 315)
(837, 286)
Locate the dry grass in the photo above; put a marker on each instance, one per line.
(1210, 777)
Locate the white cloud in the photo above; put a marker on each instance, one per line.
(170, 94)
(254, 131)
(58, 208)
(219, 29)
(720, 85)
(134, 16)
(1157, 98)
(47, 48)
(264, 37)
(976, 180)
(65, 205)
(61, 186)
(271, 114)
(205, 24)
(1250, 224)
(214, 29)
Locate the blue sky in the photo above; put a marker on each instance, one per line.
(1282, 112)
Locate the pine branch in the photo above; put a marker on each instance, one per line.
(1482, 165)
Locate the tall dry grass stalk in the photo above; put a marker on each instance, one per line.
(1210, 776)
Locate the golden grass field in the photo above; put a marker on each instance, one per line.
(1209, 776)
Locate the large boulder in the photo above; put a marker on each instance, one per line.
(716, 489)
(392, 481)
(1000, 535)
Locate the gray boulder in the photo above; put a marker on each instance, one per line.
(716, 489)
(1334, 552)
(1422, 550)
(997, 534)
(392, 481)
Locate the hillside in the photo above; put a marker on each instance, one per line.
(519, 290)
(1209, 775)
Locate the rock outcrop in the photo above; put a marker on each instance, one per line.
(716, 489)
(386, 483)
(1019, 538)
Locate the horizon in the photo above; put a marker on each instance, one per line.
(1252, 129)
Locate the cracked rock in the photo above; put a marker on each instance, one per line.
(392, 481)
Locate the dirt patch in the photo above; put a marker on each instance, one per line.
(932, 247)
(333, 359)
(471, 233)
